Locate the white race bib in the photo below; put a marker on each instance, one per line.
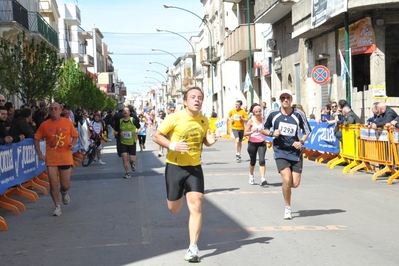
(287, 129)
(237, 117)
(127, 135)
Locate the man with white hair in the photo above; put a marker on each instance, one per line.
(349, 118)
(387, 114)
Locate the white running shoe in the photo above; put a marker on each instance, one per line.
(287, 213)
(57, 211)
(251, 179)
(65, 198)
(263, 182)
(192, 254)
(100, 162)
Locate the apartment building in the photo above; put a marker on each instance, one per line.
(88, 49)
(18, 17)
(280, 42)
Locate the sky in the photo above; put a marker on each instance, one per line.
(129, 29)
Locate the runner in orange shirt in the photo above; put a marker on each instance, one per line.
(61, 137)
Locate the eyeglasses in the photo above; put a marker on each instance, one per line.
(285, 98)
(53, 108)
(2, 101)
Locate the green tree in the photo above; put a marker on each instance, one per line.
(78, 90)
(39, 73)
(28, 70)
(11, 56)
(70, 85)
(110, 104)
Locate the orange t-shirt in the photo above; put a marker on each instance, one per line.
(237, 123)
(58, 137)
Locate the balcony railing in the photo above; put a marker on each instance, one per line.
(236, 46)
(37, 24)
(11, 10)
(66, 51)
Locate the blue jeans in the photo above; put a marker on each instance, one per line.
(110, 132)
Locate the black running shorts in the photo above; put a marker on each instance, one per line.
(131, 149)
(295, 166)
(183, 179)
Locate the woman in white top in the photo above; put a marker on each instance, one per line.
(256, 145)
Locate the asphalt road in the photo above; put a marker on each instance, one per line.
(338, 219)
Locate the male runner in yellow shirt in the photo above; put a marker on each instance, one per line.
(238, 117)
(187, 131)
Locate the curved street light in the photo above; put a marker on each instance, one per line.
(155, 49)
(154, 79)
(210, 38)
(155, 84)
(152, 62)
(192, 48)
(149, 70)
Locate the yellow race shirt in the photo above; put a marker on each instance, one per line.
(193, 130)
(237, 123)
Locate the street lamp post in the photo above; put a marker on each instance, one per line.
(155, 49)
(154, 79)
(153, 83)
(149, 70)
(193, 50)
(166, 80)
(210, 38)
(152, 62)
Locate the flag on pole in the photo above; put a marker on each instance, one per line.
(247, 83)
(344, 67)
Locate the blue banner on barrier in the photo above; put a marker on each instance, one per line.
(322, 138)
(19, 163)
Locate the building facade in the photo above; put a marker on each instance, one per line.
(280, 42)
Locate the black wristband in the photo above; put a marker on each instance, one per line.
(271, 133)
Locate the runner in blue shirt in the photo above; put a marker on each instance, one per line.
(290, 129)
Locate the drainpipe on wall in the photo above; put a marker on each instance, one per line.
(251, 87)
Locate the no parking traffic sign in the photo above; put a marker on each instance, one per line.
(320, 74)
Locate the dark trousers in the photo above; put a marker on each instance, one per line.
(118, 145)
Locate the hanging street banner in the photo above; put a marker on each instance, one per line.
(323, 10)
(361, 37)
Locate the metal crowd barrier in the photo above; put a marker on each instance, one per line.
(349, 147)
(367, 149)
(26, 172)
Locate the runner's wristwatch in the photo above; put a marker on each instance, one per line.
(302, 142)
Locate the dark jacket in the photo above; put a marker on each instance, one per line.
(116, 117)
(351, 118)
(22, 126)
(4, 133)
(371, 120)
(108, 120)
(386, 117)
